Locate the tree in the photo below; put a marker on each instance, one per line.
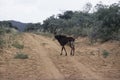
(108, 18)
(52, 24)
(34, 27)
(87, 7)
(66, 15)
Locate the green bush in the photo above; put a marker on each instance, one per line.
(17, 45)
(21, 56)
(2, 42)
(2, 31)
(105, 54)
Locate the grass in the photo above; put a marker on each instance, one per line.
(44, 44)
(2, 31)
(44, 34)
(2, 42)
(17, 45)
(21, 56)
(105, 54)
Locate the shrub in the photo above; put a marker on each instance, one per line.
(44, 34)
(2, 31)
(105, 54)
(21, 56)
(17, 45)
(2, 42)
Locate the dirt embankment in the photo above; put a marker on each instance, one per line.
(45, 62)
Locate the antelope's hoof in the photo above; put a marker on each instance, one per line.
(71, 54)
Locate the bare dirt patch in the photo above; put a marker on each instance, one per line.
(45, 62)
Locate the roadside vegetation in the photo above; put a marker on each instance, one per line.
(105, 54)
(101, 24)
(98, 23)
(20, 55)
(18, 45)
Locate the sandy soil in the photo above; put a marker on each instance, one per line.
(45, 62)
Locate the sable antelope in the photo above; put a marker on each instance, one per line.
(63, 40)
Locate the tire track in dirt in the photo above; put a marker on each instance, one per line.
(61, 67)
(86, 72)
(50, 68)
(75, 69)
(45, 63)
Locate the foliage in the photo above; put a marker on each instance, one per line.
(17, 45)
(101, 24)
(52, 24)
(33, 27)
(2, 42)
(6, 24)
(44, 34)
(21, 56)
(2, 31)
(105, 54)
(87, 7)
(66, 15)
(108, 24)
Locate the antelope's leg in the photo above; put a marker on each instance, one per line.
(62, 50)
(71, 51)
(72, 48)
(65, 50)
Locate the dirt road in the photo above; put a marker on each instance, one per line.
(45, 63)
